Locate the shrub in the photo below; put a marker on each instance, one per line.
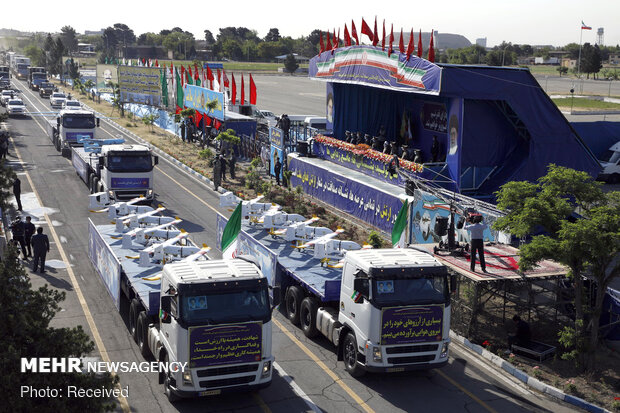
(206, 153)
(374, 239)
(252, 180)
(256, 162)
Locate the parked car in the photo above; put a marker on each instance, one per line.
(15, 107)
(57, 100)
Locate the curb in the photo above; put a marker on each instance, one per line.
(175, 162)
(523, 377)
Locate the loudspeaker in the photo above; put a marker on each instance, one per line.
(441, 226)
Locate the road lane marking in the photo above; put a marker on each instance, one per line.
(464, 390)
(291, 382)
(323, 367)
(261, 403)
(89, 318)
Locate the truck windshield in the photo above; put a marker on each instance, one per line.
(121, 162)
(225, 307)
(78, 121)
(410, 291)
(38, 75)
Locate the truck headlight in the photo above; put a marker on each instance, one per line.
(111, 194)
(266, 369)
(376, 354)
(149, 192)
(187, 377)
(444, 350)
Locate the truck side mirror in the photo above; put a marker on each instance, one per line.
(166, 304)
(98, 120)
(101, 161)
(361, 285)
(275, 291)
(155, 160)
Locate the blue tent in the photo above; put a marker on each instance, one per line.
(494, 124)
(598, 135)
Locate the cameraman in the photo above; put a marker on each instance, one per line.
(476, 229)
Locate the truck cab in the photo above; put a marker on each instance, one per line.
(126, 171)
(611, 165)
(71, 126)
(216, 316)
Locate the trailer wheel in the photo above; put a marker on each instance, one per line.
(90, 182)
(293, 298)
(142, 334)
(349, 353)
(307, 316)
(167, 390)
(95, 185)
(56, 142)
(134, 310)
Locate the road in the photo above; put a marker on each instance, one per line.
(307, 376)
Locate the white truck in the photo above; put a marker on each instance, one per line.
(611, 167)
(122, 171)
(71, 126)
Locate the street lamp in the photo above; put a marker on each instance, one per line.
(572, 98)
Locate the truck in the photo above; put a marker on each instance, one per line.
(20, 66)
(213, 316)
(36, 76)
(70, 126)
(611, 165)
(46, 89)
(121, 170)
(385, 310)
(5, 77)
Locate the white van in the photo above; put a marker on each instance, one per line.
(611, 167)
(316, 122)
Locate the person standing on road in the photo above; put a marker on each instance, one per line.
(18, 230)
(476, 229)
(17, 191)
(41, 246)
(286, 125)
(29, 232)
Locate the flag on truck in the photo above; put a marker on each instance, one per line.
(398, 230)
(230, 233)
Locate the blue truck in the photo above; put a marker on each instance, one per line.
(36, 76)
(385, 310)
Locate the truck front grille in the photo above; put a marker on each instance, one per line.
(233, 381)
(221, 371)
(411, 359)
(125, 195)
(411, 349)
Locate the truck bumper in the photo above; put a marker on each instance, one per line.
(406, 367)
(216, 392)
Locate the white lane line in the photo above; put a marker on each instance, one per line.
(291, 382)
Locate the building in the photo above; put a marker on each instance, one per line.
(569, 63)
(481, 42)
(93, 32)
(614, 59)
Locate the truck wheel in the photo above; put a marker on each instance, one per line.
(142, 334)
(134, 310)
(614, 179)
(349, 354)
(90, 182)
(293, 298)
(307, 316)
(95, 185)
(57, 143)
(167, 390)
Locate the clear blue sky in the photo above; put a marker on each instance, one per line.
(555, 22)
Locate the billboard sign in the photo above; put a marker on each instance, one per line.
(197, 97)
(140, 84)
(106, 75)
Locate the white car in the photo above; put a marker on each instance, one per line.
(15, 107)
(72, 105)
(265, 117)
(6, 95)
(57, 100)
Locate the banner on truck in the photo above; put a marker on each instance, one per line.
(411, 324)
(104, 261)
(139, 84)
(106, 76)
(226, 344)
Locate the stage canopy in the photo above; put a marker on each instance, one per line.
(493, 124)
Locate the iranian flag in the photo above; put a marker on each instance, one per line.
(585, 26)
(231, 231)
(398, 231)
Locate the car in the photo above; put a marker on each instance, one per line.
(15, 107)
(265, 117)
(72, 105)
(6, 95)
(58, 100)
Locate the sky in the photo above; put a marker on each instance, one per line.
(534, 22)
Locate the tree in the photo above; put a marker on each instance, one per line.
(36, 55)
(590, 59)
(273, 35)
(290, 64)
(68, 36)
(27, 333)
(7, 177)
(232, 49)
(586, 245)
(209, 39)
(55, 58)
(562, 70)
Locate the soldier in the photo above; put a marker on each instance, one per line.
(41, 246)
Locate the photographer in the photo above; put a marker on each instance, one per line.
(476, 230)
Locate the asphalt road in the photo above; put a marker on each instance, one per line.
(307, 376)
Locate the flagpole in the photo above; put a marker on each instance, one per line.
(579, 61)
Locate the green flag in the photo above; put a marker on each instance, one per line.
(164, 87)
(400, 224)
(233, 226)
(180, 97)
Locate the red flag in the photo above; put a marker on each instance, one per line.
(209, 120)
(367, 31)
(242, 100)
(431, 49)
(225, 78)
(411, 45)
(391, 49)
(171, 69)
(328, 46)
(189, 69)
(347, 38)
(196, 74)
(334, 41)
(182, 75)
(322, 46)
(217, 124)
(233, 93)
(420, 44)
(143, 62)
(156, 63)
(210, 77)
(252, 91)
(197, 118)
(354, 32)
(375, 34)
(383, 37)
(219, 81)
(401, 43)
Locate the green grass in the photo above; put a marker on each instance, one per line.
(544, 70)
(585, 103)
